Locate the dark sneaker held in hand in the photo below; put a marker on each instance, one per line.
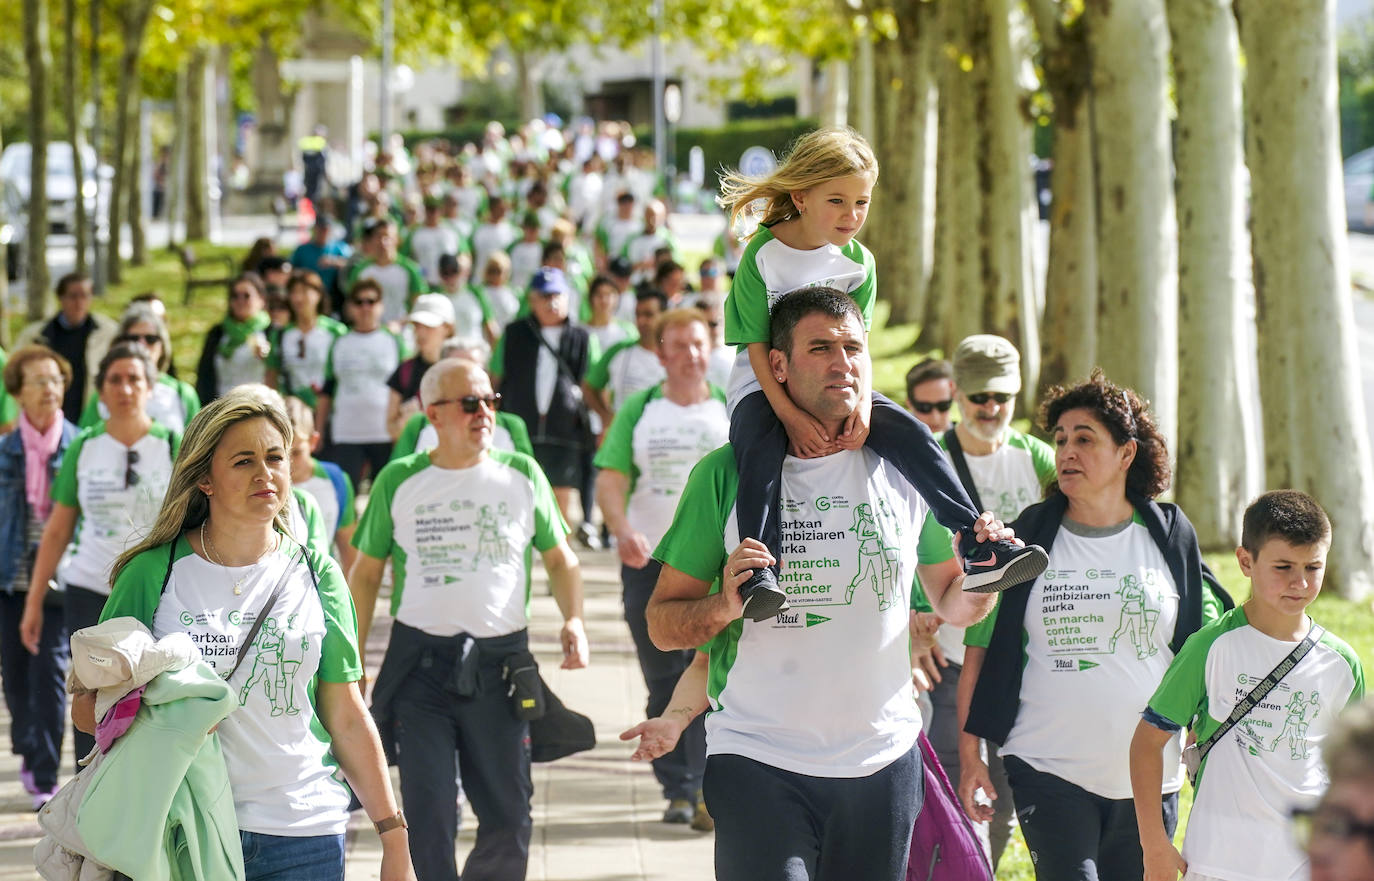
(762, 597)
(994, 566)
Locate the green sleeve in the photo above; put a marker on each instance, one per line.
(483, 302)
(599, 374)
(90, 414)
(273, 359)
(409, 437)
(348, 507)
(406, 246)
(980, 635)
(376, 528)
(866, 293)
(9, 407)
(329, 369)
(138, 589)
(617, 449)
(746, 307)
(64, 487)
(519, 434)
(418, 285)
(935, 544)
(402, 350)
(603, 238)
(339, 658)
(593, 350)
(919, 601)
(1042, 457)
(549, 528)
(496, 366)
(1182, 694)
(695, 543)
(1340, 647)
(1212, 609)
(315, 537)
(190, 401)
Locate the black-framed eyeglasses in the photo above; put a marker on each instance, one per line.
(470, 403)
(148, 339)
(130, 475)
(982, 398)
(929, 406)
(1330, 822)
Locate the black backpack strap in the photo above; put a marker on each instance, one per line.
(956, 455)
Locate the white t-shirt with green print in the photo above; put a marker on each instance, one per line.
(285, 780)
(461, 540)
(118, 490)
(823, 689)
(1270, 762)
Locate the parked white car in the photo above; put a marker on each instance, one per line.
(1359, 186)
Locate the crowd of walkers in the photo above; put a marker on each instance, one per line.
(488, 350)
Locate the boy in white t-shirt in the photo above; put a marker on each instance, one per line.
(1270, 762)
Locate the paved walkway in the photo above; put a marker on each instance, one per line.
(596, 814)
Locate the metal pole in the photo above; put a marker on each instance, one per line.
(98, 265)
(384, 85)
(660, 143)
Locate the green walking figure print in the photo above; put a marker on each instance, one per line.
(490, 545)
(877, 561)
(290, 663)
(1137, 618)
(1301, 712)
(267, 656)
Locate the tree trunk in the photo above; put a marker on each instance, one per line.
(1213, 477)
(39, 59)
(4, 281)
(1314, 416)
(834, 98)
(954, 298)
(528, 81)
(1137, 320)
(176, 175)
(69, 108)
(197, 195)
(1069, 341)
(903, 96)
(1003, 179)
(862, 101)
(134, 23)
(138, 231)
(273, 129)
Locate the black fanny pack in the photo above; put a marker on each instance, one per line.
(523, 686)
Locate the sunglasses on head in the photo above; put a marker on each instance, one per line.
(983, 397)
(928, 406)
(471, 403)
(148, 339)
(130, 475)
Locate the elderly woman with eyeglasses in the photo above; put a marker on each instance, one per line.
(171, 402)
(30, 456)
(106, 495)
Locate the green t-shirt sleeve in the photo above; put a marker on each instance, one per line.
(496, 366)
(695, 543)
(866, 293)
(617, 449)
(138, 589)
(375, 528)
(90, 414)
(549, 528)
(1182, 693)
(315, 537)
(919, 601)
(273, 359)
(1340, 647)
(935, 543)
(339, 659)
(9, 407)
(64, 487)
(980, 635)
(519, 434)
(409, 438)
(348, 507)
(746, 307)
(1042, 459)
(599, 373)
(190, 401)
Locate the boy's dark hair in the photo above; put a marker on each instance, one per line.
(925, 371)
(791, 308)
(1286, 514)
(550, 249)
(653, 294)
(665, 269)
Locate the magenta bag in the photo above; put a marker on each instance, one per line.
(944, 846)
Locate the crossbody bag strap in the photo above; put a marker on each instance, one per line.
(562, 365)
(262, 615)
(1261, 691)
(956, 455)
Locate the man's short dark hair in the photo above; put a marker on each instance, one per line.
(68, 280)
(1287, 514)
(665, 269)
(791, 308)
(551, 248)
(925, 371)
(652, 294)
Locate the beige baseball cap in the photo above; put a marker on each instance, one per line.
(986, 362)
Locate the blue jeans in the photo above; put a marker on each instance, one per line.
(284, 858)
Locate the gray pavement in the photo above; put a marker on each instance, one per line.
(596, 814)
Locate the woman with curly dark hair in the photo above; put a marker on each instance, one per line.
(1057, 676)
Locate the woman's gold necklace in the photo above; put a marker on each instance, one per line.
(214, 558)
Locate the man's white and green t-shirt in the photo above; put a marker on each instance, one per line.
(420, 436)
(1096, 640)
(657, 443)
(1270, 762)
(401, 282)
(300, 355)
(118, 491)
(284, 779)
(1008, 481)
(823, 689)
(461, 540)
(625, 368)
(770, 269)
(355, 374)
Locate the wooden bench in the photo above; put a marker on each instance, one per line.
(204, 272)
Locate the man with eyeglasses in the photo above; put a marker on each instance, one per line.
(1003, 470)
(1338, 834)
(930, 393)
(77, 334)
(459, 524)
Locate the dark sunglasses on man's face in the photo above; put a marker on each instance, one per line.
(471, 403)
(983, 397)
(148, 339)
(928, 406)
(1331, 823)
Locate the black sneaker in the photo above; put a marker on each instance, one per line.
(762, 597)
(994, 566)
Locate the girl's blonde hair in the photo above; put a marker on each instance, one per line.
(185, 505)
(815, 158)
